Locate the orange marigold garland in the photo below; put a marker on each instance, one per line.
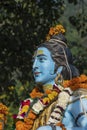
(61, 104)
(3, 113)
(55, 30)
(34, 108)
(43, 100)
(76, 83)
(35, 93)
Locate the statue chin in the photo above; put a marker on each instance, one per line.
(39, 81)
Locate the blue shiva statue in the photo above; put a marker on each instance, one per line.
(63, 105)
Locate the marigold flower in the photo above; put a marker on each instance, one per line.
(51, 96)
(31, 115)
(1, 125)
(55, 30)
(2, 116)
(36, 94)
(20, 125)
(75, 83)
(48, 91)
(29, 121)
(24, 109)
(3, 113)
(45, 100)
(3, 109)
(54, 93)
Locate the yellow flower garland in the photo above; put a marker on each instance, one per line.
(45, 99)
(76, 83)
(3, 113)
(55, 30)
(72, 85)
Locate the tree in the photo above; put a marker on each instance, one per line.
(24, 25)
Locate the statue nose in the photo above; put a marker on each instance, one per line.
(35, 65)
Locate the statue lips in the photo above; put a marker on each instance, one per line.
(36, 73)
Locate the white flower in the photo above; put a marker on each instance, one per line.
(37, 107)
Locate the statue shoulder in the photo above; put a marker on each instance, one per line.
(78, 94)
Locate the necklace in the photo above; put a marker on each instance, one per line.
(76, 83)
(32, 107)
(3, 114)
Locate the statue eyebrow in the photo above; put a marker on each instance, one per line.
(41, 55)
(38, 56)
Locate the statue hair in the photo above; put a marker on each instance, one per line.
(61, 55)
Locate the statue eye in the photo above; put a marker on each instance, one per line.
(42, 59)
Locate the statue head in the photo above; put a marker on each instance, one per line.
(54, 54)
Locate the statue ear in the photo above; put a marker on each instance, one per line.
(59, 70)
(59, 78)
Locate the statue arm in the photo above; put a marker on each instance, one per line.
(58, 128)
(76, 115)
(74, 119)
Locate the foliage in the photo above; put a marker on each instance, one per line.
(24, 25)
(79, 19)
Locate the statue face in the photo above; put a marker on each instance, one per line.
(43, 66)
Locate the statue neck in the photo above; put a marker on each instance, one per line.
(48, 85)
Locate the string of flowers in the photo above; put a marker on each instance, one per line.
(3, 113)
(55, 30)
(62, 102)
(30, 109)
(76, 83)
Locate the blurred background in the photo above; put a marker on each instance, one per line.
(24, 24)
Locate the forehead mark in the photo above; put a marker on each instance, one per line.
(38, 52)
